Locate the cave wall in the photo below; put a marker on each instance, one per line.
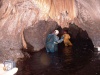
(15, 16)
(89, 19)
(19, 15)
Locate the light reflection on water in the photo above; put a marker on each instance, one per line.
(68, 54)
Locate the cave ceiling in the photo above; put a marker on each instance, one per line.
(58, 10)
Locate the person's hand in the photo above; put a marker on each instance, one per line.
(10, 72)
(55, 43)
(62, 37)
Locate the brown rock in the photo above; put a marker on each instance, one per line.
(35, 36)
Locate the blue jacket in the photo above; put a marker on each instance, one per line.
(51, 42)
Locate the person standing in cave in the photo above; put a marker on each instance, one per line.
(66, 39)
(52, 41)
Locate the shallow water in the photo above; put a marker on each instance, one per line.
(67, 61)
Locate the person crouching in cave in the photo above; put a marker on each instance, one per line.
(66, 39)
(52, 41)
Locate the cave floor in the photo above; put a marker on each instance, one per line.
(67, 61)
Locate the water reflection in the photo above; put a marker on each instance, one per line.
(68, 54)
(45, 59)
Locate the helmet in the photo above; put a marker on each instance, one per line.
(56, 32)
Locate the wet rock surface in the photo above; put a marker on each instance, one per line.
(76, 60)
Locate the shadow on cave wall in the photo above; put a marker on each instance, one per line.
(79, 37)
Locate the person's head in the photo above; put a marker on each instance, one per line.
(56, 32)
(65, 31)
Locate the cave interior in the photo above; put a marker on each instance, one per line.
(25, 24)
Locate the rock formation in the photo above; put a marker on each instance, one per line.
(23, 20)
(89, 19)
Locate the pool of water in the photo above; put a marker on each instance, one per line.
(67, 61)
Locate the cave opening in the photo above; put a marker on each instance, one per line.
(67, 60)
